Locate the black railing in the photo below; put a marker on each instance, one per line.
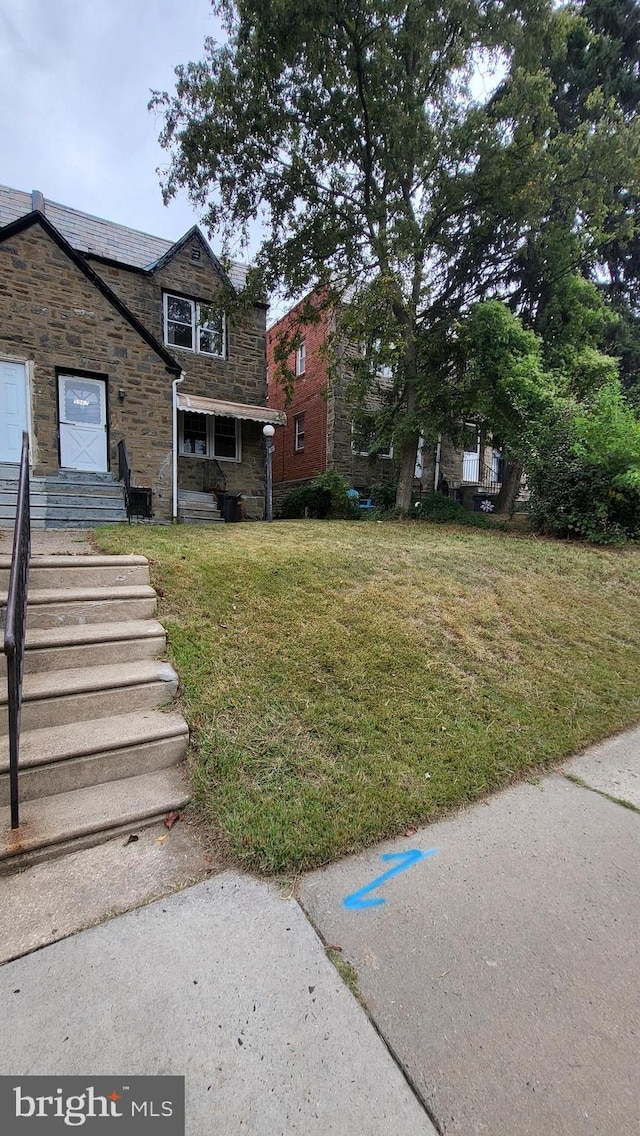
(490, 476)
(16, 621)
(124, 475)
(137, 501)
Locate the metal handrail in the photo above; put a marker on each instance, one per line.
(14, 634)
(124, 475)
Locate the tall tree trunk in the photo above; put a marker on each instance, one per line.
(406, 473)
(510, 487)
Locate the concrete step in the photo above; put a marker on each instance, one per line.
(199, 517)
(63, 494)
(79, 754)
(91, 645)
(80, 694)
(84, 477)
(78, 571)
(97, 511)
(53, 825)
(57, 607)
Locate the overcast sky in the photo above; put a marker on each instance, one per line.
(75, 80)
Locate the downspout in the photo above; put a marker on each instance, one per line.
(436, 476)
(174, 446)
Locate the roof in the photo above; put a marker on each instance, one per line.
(37, 218)
(230, 409)
(96, 237)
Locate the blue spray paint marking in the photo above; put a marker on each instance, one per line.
(356, 901)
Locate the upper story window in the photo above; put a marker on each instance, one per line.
(194, 326)
(298, 424)
(301, 359)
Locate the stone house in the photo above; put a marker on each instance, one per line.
(325, 430)
(109, 336)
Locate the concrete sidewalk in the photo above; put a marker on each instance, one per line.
(227, 984)
(503, 971)
(501, 974)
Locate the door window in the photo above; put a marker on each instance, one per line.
(82, 402)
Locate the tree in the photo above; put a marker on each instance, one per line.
(349, 125)
(552, 199)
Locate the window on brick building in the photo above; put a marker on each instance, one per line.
(298, 425)
(210, 436)
(194, 326)
(301, 359)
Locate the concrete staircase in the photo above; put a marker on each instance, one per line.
(68, 499)
(197, 508)
(98, 751)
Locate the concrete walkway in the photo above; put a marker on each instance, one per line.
(51, 542)
(501, 974)
(503, 971)
(228, 985)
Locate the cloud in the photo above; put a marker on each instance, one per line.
(75, 81)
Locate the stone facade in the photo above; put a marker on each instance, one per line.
(53, 318)
(56, 320)
(239, 377)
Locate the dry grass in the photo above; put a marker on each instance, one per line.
(346, 680)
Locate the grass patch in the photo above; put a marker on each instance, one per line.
(343, 681)
(346, 970)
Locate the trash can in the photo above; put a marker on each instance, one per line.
(230, 506)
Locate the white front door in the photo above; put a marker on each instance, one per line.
(471, 454)
(13, 410)
(83, 423)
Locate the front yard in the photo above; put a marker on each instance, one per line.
(344, 681)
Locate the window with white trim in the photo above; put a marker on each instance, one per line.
(364, 441)
(194, 326)
(210, 436)
(301, 359)
(298, 425)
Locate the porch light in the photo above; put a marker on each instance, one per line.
(268, 431)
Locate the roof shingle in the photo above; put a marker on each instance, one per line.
(94, 235)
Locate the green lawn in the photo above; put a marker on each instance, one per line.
(344, 681)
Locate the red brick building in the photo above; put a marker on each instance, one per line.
(319, 433)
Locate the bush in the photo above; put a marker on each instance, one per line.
(306, 500)
(325, 496)
(445, 511)
(383, 495)
(585, 481)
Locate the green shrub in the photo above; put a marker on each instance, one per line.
(383, 495)
(342, 506)
(306, 500)
(585, 481)
(325, 496)
(442, 510)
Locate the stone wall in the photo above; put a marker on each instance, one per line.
(52, 316)
(239, 377)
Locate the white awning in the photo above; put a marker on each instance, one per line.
(200, 405)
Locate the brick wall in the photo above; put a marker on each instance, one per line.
(309, 398)
(53, 317)
(327, 412)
